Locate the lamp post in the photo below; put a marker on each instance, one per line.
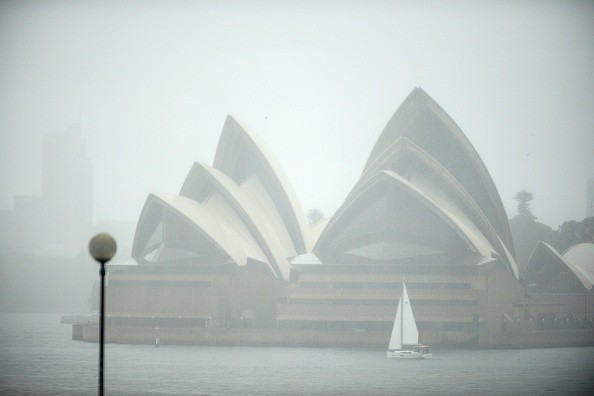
(102, 247)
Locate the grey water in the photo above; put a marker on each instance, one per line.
(38, 357)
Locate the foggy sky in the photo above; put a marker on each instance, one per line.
(152, 82)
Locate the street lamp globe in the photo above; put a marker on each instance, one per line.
(102, 247)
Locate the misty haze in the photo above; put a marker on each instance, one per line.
(302, 196)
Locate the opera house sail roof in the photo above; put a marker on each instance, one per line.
(424, 193)
(248, 162)
(387, 213)
(421, 120)
(241, 210)
(574, 268)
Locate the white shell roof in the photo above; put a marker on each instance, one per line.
(244, 205)
(234, 145)
(464, 164)
(199, 218)
(410, 161)
(579, 259)
(203, 177)
(469, 236)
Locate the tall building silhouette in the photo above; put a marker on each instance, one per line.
(59, 221)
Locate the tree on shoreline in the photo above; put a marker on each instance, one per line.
(527, 232)
(573, 232)
(523, 197)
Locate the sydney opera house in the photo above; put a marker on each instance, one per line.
(231, 258)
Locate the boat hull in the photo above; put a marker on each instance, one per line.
(405, 354)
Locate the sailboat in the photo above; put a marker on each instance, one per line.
(405, 333)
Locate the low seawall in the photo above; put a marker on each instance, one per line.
(232, 337)
(538, 339)
(329, 338)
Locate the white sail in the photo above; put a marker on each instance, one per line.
(410, 334)
(396, 338)
(405, 330)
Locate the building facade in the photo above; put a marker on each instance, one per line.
(231, 259)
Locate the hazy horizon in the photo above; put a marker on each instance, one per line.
(152, 82)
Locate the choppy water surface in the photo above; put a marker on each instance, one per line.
(37, 356)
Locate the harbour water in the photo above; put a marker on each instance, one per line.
(37, 356)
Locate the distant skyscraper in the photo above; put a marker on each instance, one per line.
(60, 220)
(67, 189)
(590, 199)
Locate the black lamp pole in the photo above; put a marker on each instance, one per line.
(101, 326)
(102, 247)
